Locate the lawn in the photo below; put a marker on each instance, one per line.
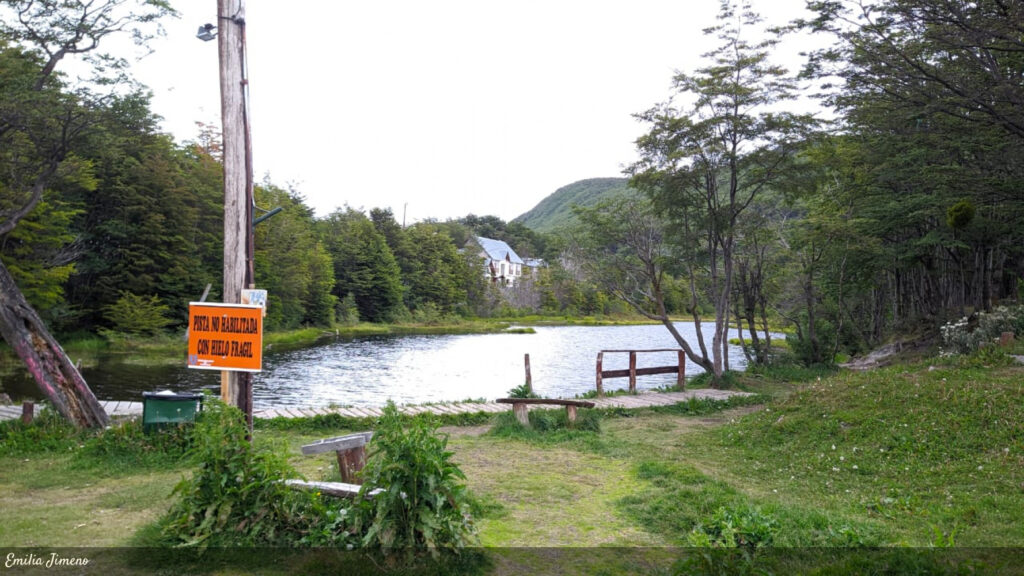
(922, 456)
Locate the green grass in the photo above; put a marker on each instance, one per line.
(920, 455)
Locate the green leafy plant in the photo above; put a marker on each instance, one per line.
(728, 528)
(133, 314)
(522, 391)
(423, 505)
(942, 539)
(237, 497)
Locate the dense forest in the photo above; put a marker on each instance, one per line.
(895, 209)
(902, 213)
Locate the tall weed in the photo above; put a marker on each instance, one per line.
(236, 496)
(424, 504)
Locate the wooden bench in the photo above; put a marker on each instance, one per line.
(351, 451)
(519, 406)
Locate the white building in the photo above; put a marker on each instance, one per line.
(500, 260)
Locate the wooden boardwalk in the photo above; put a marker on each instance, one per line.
(643, 400)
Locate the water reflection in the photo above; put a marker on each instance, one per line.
(416, 369)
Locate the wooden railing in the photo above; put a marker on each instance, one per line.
(632, 372)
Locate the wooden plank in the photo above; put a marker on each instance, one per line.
(641, 371)
(628, 402)
(339, 489)
(337, 443)
(648, 350)
(552, 401)
(661, 400)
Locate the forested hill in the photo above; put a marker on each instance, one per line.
(555, 211)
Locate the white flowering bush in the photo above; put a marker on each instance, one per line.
(960, 337)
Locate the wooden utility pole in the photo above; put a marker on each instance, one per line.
(236, 387)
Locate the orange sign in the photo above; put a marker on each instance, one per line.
(225, 337)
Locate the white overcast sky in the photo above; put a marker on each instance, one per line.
(450, 107)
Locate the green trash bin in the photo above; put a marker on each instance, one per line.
(163, 409)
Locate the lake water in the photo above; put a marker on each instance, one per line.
(417, 369)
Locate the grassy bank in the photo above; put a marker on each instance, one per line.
(921, 455)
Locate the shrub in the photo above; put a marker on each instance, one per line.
(545, 422)
(133, 314)
(423, 506)
(126, 447)
(522, 391)
(49, 431)
(236, 496)
(964, 337)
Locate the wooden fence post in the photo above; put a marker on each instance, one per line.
(632, 372)
(529, 377)
(28, 412)
(681, 379)
(600, 384)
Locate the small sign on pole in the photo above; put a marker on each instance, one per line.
(225, 337)
(255, 297)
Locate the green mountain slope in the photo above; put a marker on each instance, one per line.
(555, 211)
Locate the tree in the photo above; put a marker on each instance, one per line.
(622, 246)
(363, 265)
(141, 228)
(291, 263)
(930, 93)
(951, 57)
(433, 272)
(41, 122)
(704, 166)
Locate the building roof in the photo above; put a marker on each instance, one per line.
(498, 250)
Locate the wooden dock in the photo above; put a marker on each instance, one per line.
(643, 400)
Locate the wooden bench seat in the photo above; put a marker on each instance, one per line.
(519, 406)
(351, 451)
